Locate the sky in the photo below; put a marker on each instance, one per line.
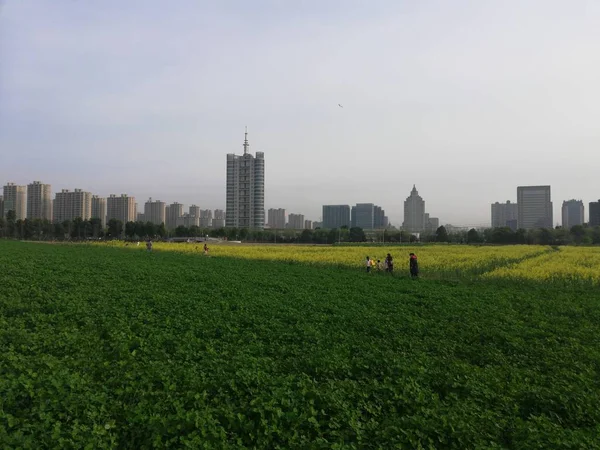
(465, 99)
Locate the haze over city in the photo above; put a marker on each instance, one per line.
(466, 100)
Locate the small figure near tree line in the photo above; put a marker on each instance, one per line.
(149, 245)
(205, 249)
(414, 266)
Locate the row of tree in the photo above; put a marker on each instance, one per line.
(577, 235)
(80, 229)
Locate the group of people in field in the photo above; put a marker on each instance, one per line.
(388, 264)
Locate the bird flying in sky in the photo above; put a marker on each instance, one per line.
(340, 105)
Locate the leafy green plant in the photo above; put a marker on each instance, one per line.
(110, 348)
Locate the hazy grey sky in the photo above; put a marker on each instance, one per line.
(466, 99)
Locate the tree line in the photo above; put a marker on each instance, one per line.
(576, 235)
(79, 229)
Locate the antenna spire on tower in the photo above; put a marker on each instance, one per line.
(246, 145)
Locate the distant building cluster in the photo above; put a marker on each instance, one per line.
(534, 209)
(34, 201)
(244, 207)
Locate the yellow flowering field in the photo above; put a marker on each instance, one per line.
(442, 259)
(567, 263)
(541, 263)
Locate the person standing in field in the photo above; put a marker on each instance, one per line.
(368, 264)
(149, 245)
(414, 266)
(389, 262)
(205, 249)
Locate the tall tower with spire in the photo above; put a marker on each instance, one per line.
(245, 201)
(414, 212)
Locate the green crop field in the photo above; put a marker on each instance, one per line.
(108, 347)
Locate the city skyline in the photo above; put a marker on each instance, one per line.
(502, 214)
(468, 116)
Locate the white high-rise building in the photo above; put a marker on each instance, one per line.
(218, 219)
(173, 212)
(99, 209)
(206, 217)
(155, 211)
(245, 201)
(194, 211)
(296, 221)
(39, 201)
(72, 205)
(15, 199)
(276, 218)
(121, 208)
(534, 206)
(414, 212)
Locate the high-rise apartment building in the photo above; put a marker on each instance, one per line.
(218, 219)
(194, 211)
(173, 212)
(572, 213)
(308, 225)
(15, 199)
(99, 209)
(39, 201)
(61, 207)
(72, 205)
(336, 216)
(414, 212)
(296, 221)
(594, 212)
(534, 206)
(121, 208)
(1, 206)
(503, 213)
(245, 202)
(155, 211)
(276, 218)
(206, 218)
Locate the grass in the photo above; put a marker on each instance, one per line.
(115, 348)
